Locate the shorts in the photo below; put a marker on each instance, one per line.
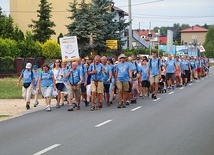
(83, 88)
(60, 86)
(124, 86)
(76, 93)
(99, 89)
(47, 91)
(198, 70)
(34, 91)
(186, 75)
(170, 76)
(88, 88)
(106, 88)
(145, 84)
(154, 78)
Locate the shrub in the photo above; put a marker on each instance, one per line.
(51, 50)
(9, 47)
(7, 64)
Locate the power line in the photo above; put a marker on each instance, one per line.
(141, 3)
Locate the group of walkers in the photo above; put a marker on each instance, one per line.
(96, 82)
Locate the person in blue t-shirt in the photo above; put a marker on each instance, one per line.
(96, 70)
(123, 76)
(106, 78)
(170, 72)
(47, 84)
(186, 69)
(75, 79)
(198, 68)
(83, 70)
(112, 82)
(28, 80)
(178, 70)
(145, 84)
(154, 73)
(36, 75)
(193, 68)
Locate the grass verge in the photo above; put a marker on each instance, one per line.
(9, 90)
(4, 116)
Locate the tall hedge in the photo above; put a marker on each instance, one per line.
(51, 50)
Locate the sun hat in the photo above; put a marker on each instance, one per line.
(28, 65)
(122, 56)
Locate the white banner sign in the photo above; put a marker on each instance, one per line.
(201, 48)
(69, 48)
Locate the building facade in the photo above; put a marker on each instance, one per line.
(193, 34)
(23, 11)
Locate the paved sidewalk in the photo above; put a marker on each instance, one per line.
(16, 107)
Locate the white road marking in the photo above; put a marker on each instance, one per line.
(171, 93)
(182, 88)
(157, 99)
(136, 108)
(190, 84)
(47, 149)
(101, 124)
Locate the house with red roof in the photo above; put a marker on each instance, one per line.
(194, 33)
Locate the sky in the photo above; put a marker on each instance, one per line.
(161, 12)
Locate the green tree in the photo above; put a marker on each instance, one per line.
(28, 47)
(18, 35)
(209, 42)
(85, 21)
(42, 28)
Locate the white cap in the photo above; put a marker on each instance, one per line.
(28, 65)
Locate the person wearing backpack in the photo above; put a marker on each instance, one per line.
(28, 83)
(154, 72)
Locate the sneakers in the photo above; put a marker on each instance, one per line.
(128, 102)
(57, 106)
(155, 97)
(119, 106)
(70, 108)
(133, 101)
(61, 104)
(35, 104)
(86, 103)
(173, 87)
(48, 108)
(27, 106)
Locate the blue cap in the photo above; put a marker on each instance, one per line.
(35, 67)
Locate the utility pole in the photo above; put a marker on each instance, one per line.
(130, 26)
(150, 47)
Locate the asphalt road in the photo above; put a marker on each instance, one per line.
(180, 122)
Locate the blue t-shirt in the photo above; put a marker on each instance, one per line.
(144, 72)
(154, 67)
(122, 70)
(27, 76)
(179, 64)
(197, 63)
(83, 70)
(64, 72)
(98, 68)
(74, 77)
(185, 64)
(46, 79)
(36, 75)
(112, 68)
(106, 75)
(170, 66)
(192, 62)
